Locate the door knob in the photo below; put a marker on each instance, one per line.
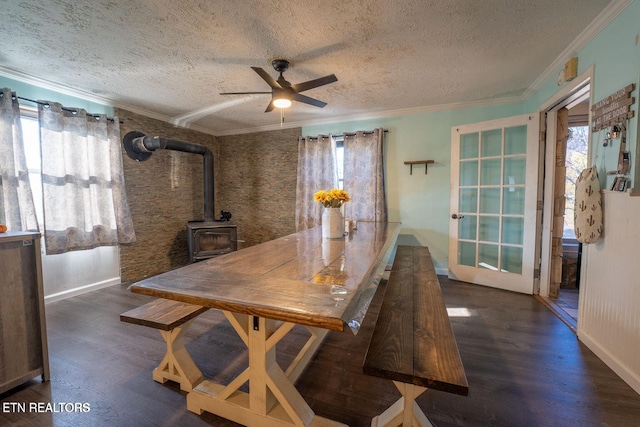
(456, 216)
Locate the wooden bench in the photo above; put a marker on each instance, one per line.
(413, 342)
(172, 319)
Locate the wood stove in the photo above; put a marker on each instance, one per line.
(205, 239)
(208, 239)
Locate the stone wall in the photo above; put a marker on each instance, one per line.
(257, 183)
(164, 192)
(254, 179)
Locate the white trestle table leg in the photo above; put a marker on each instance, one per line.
(177, 364)
(272, 399)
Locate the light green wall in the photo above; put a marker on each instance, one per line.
(26, 90)
(615, 55)
(421, 202)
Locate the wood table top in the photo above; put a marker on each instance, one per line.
(299, 278)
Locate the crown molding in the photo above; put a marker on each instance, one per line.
(197, 128)
(141, 111)
(258, 129)
(592, 30)
(78, 93)
(56, 87)
(377, 115)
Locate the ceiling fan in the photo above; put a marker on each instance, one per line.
(283, 92)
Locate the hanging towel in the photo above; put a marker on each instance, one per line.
(588, 208)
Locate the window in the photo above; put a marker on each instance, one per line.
(340, 161)
(31, 138)
(75, 272)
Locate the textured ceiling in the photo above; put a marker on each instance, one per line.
(170, 59)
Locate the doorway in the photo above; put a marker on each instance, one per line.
(575, 161)
(566, 155)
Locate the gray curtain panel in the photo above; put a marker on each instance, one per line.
(317, 170)
(17, 210)
(85, 203)
(364, 176)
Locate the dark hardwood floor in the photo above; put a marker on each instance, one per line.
(524, 367)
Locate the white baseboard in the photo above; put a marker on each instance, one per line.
(630, 377)
(442, 271)
(81, 290)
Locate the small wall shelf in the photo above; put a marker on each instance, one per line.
(418, 162)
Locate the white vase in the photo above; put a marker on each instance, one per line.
(332, 223)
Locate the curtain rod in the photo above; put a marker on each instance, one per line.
(368, 132)
(70, 110)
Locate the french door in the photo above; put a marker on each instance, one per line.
(494, 180)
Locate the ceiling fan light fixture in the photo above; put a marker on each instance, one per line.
(283, 92)
(282, 103)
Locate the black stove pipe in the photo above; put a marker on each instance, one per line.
(140, 147)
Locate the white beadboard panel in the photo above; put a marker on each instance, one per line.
(609, 314)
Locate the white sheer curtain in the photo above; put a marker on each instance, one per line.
(85, 204)
(17, 210)
(364, 176)
(317, 170)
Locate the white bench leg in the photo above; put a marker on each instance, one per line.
(405, 412)
(177, 365)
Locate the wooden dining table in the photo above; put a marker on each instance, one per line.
(266, 290)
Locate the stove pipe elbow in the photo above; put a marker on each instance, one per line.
(140, 147)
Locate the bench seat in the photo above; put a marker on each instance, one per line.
(413, 343)
(172, 319)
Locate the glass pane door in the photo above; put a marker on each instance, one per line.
(490, 212)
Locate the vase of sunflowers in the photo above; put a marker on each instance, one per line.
(332, 219)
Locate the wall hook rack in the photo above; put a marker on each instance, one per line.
(418, 162)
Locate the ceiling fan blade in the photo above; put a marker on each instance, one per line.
(270, 107)
(244, 93)
(301, 87)
(308, 100)
(267, 78)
